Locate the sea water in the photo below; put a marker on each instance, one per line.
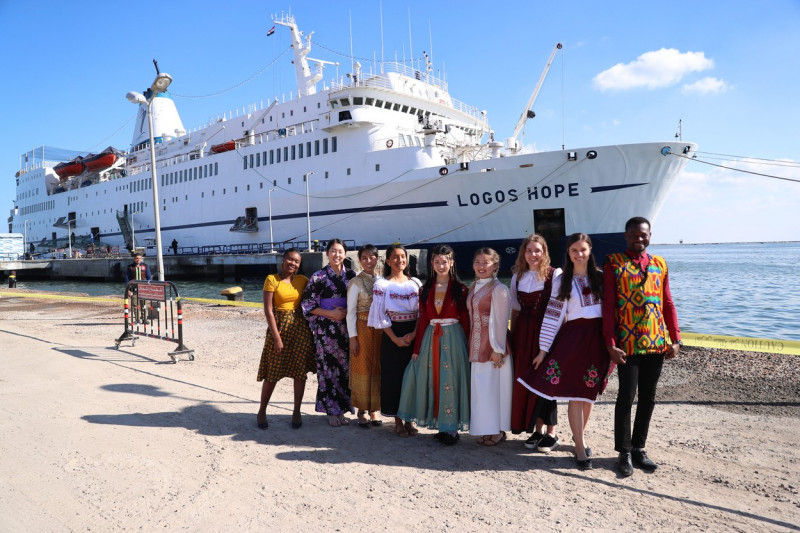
(744, 290)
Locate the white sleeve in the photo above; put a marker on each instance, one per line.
(352, 308)
(498, 318)
(514, 300)
(378, 318)
(554, 316)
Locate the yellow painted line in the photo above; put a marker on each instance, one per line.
(745, 344)
(45, 296)
(257, 305)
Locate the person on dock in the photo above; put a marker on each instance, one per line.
(325, 307)
(572, 364)
(12, 280)
(288, 347)
(174, 246)
(435, 389)
(640, 326)
(531, 285)
(138, 270)
(365, 342)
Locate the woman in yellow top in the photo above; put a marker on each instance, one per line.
(289, 348)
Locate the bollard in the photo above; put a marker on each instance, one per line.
(233, 294)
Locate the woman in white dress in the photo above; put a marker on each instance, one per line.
(492, 370)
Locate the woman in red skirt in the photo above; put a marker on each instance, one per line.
(576, 363)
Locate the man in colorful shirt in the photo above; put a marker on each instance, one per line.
(640, 327)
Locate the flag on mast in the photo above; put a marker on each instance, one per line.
(271, 31)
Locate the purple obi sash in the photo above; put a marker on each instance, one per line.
(332, 303)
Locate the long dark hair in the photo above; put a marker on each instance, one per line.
(595, 276)
(456, 287)
(335, 241)
(387, 270)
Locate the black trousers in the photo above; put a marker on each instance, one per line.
(639, 372)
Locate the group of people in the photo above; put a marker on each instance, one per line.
(440, 354)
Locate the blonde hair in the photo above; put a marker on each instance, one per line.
(521, 265)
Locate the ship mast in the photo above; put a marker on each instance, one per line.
(306, 81)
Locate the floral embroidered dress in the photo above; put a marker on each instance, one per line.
(396, 306)
(577, 364)
(327, 290)
(435, 389)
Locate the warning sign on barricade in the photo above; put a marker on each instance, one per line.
(153, 309)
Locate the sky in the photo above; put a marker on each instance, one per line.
(724, 74)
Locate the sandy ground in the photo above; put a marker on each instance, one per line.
(100, 439)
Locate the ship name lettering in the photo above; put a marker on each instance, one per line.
(546, 191)
(488, 198)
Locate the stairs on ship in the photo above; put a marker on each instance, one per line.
(125, 226)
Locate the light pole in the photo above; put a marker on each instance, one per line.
(25, 240)
(160, 85)
(69, 236)
(269, 201)
(308, 211)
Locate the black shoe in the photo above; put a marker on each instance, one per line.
(624, 465)
(547, 443)
(440, 436)
(640, 460)
(448, 439)
(533, 440)
(584, 465)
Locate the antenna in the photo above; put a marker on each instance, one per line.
(381, 11)
(350, 17)
(430, 38)
(156, 64)
(410, 43)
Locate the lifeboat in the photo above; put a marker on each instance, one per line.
(70, 168)
(224, 147)
(100, 161)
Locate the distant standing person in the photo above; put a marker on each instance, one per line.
(138, 270)
(365, 342)
(12, 280)
(325, 307)
(174, 246)
(492, 372)
(640, 326)
(288, 347)
(395, 309)
(531, 285)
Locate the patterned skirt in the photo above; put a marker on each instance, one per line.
(445, 409)
(365, 369)
(577, 366)
(297, 358)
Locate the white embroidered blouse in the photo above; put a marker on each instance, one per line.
(393, 300)
(579, 305)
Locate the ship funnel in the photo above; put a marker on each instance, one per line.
(166, 120)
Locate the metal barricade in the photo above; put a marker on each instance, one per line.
(150, 311)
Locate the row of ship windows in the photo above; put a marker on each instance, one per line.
(28, 194)
(289, 153)
(35, 208)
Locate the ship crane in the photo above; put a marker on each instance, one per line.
(528, 113)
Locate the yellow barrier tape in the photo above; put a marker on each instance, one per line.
(45, 296)
(745, 344)
(258, 305)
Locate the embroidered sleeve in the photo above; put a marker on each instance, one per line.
(377, 311)
(553, 318)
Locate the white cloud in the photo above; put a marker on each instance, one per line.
(706, 86)
(661, 68)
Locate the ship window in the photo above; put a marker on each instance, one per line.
(195, 173)
(326, 174)
(223, 191)
(377, 167)
(358, 100)
(413, 111)
(308, 149)
(325, 145)
(333, 144)
(378, 103)
(285, 153)
(334, 104)
(258, 159)
(264, 157)
(348, 171)
(300, 151)
(294, 152)
(236, 189)
(283, 115)
(272, 157)
(279, 155)
(345, 115)
(202, 195)
(316, 147)
(274, 183)
(387, 105)
(396, 107)
(252, 159)
(244, 159)
(212, 193)
(304, 109)
(216, 168)
(370, 101)
(291, 112)
(345, 101)
(290, 181)
(248, 186)
(404, 109)
(318, 105)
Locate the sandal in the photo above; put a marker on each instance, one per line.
(482, 439)
(333, 421)
(411, 429)
(401, 430)
(491, 442)
(344, 420)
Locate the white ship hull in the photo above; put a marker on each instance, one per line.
(386, 162)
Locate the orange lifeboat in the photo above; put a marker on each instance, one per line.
(70, 168)
(100, 161)
(224, 147)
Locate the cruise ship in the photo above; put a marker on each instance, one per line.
(371, 157)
